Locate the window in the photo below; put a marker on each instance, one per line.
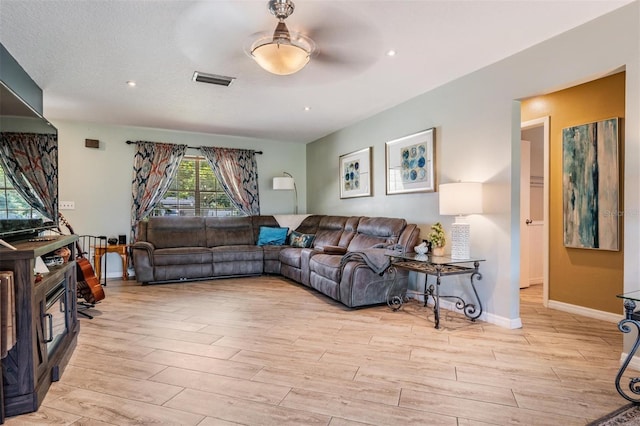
(195, 191)
(12, 205)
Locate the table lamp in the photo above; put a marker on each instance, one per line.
(460, 199)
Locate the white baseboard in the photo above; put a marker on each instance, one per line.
(586, 312)
(634, 363)
(486, 317)
(502, 321)
(116, 274)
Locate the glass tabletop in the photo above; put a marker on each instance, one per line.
(631, 295)
(435, 260)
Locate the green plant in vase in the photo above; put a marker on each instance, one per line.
(437, 239)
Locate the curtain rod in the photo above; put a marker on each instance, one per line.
(191, 147)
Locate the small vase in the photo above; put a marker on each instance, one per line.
(438, 251)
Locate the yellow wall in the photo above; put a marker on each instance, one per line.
(582, 277)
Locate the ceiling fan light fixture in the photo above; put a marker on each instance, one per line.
(282, 58)
(282, 52)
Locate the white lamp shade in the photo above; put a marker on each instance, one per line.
(283, 183)
(460, 198)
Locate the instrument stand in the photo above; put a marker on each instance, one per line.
(84, 306)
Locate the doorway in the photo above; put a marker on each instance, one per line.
(534, 207)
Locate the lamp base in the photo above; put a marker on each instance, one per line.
(460, 240)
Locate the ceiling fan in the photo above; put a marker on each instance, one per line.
(333, 41)
(282, 52)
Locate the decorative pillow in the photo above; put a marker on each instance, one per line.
(296, 239)
(272, 236)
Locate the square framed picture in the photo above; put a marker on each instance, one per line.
(590, 185)
(355, 174)
(411, 163)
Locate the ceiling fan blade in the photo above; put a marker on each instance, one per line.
(359, 60)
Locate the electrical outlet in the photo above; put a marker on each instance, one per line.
(67, 205)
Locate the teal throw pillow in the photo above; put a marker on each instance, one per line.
(296, 239)
(272, 236)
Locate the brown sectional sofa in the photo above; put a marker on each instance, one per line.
(345, 262)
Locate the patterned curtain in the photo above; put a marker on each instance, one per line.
(237, 172)
(31, 163)
(154, 167)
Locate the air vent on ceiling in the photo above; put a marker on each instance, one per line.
(220, 80)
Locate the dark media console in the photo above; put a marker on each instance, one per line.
(47, 322)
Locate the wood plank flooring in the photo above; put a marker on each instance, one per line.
(266, 351)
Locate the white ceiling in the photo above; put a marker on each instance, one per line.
(81, 53)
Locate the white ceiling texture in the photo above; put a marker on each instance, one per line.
(82, 53)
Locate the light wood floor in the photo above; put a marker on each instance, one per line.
(263, 350)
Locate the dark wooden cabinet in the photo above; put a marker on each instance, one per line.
(46, 323)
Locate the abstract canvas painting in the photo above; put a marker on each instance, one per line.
(590, 174)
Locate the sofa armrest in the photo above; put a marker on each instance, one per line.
(334, 250)
(144, 245)
(305, 257)
(142, 253)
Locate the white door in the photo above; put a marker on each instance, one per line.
(534, 249)
(536, 261)
(525, 207)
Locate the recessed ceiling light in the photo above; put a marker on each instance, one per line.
(391, 52)
(307, 108)
(131, 83)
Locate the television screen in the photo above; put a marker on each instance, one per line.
(21, 126)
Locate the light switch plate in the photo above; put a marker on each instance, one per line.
(67, 205)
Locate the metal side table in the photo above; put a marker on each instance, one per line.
(631, 321)
(438, 266)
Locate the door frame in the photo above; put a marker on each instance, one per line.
(543, 122)
(525, 209)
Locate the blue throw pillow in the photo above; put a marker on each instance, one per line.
(296, 239)
(272, 236)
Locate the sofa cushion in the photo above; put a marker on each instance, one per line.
(272, 236)
(176, 231)
(238, 253)
(181, 256)
(290, 256)
(349, 231)
(310, 224)
(228, 231)
(330, 230)
(296, 239)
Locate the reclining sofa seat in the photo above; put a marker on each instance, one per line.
(233, 247)
(329, 231)
(354, 283)
(171, 249)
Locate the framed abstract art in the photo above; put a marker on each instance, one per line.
(410, 163)
(590, 185)
(355, 174)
